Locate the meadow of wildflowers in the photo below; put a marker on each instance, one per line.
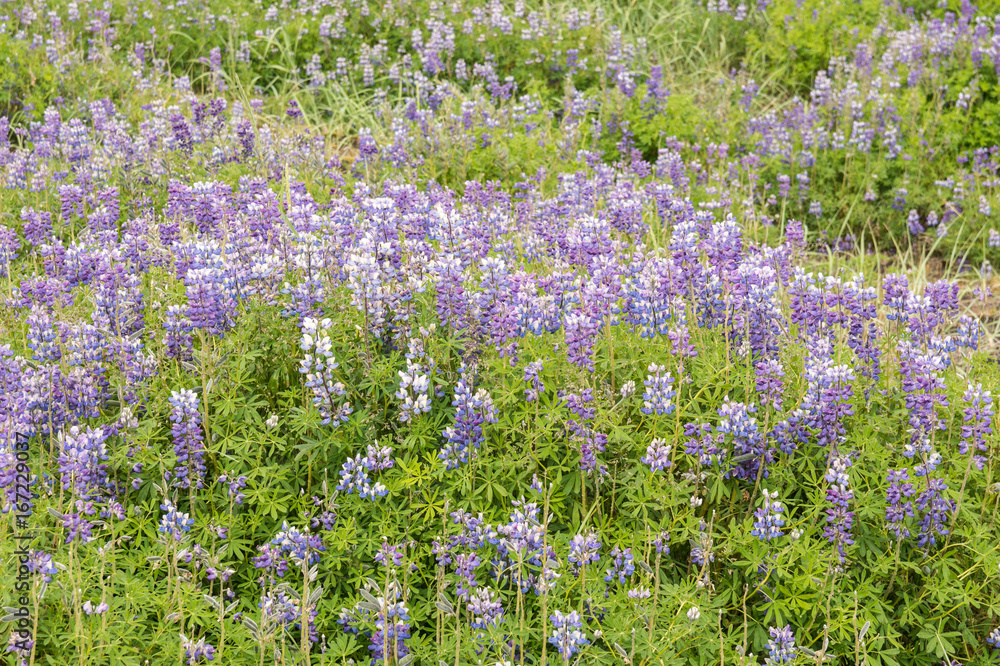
(499, 332)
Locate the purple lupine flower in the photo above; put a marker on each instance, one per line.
(465, 568)
(371, 269)
(701, 550)
(755, 315)
(750, 451)
(42, 390)
(354, 477)
(178, 329)
(767, 519)
(37, 226)
(581, 328)
(969, 331)
(173, 523)
(839, 517)
(299, 547)
(210, 305)
(118, 302)
(41, 563)
(899, 202)
(978, 418)
(81, 461)
(795, 235)
(367, 148)
(930, 312)
(781, 647)
(680, 339)
(236, 485)
(106, 213)
(20, 647)
(591, 442)
(392, 628)
(536, 388)
(354, 473)
(700, 442)
(498, 316)
(447, 273)
(750, 90)
(414, 385)
(475, 531)
(924, 386)
(378, 458)
(899, 505)
(863, 340)
(896, 295)
(486, 608)
(584, 549)
(181, 133)
(521, 541)
(993, 640)
(90, 609)
(389, 556)
(784, 188)
(661, 541)
(271, 561)
(196, 651)
(934, 509)
(657, 455)
(659, 394)
(71, 201)
(567, 634)
(76, 524)
(188, 439)
(44, 336)
(471, 412)
(723, 244)
(770, 383)
(829, 392)
(578, 404)
(247, 139)
(622, 566)
(9, 246)
(318, 366)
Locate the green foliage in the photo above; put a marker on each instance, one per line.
(803, 36)
(923, 606)
(28, 83)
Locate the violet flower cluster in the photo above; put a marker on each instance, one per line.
(198, 651)
(318, 366)
(781, 646)
(567, 634)
(659, 394)
(471, 412)
(188, 439)
(354, 475)
(839, 517)
(768, 519)
(978, 418)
